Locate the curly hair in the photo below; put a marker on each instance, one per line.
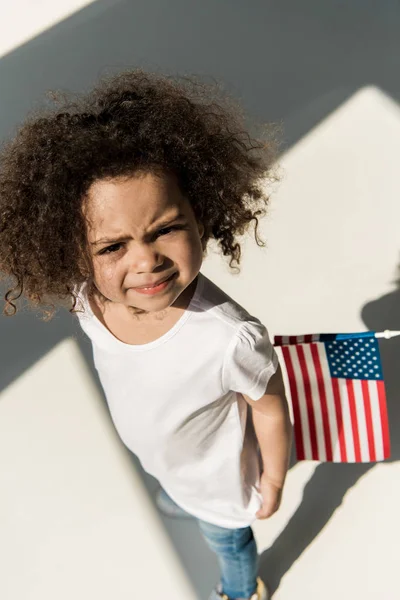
(131, 122)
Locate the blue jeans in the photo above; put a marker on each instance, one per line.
(237, 555)
(236, 551)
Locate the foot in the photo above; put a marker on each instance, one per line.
(169, 508)
(261, 593)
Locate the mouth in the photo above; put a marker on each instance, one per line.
(156, 288)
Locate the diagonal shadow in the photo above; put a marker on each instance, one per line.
(325, 490)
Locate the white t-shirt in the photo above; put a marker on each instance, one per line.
(176, 402)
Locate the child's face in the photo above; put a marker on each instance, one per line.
(142, 231)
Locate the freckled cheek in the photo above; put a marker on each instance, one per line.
(106, 274)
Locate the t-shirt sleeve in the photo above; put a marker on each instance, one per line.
(250, 361)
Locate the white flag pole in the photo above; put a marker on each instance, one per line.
(387, 334)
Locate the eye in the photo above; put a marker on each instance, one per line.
(167, 230)
(161, 232)
(111, 249)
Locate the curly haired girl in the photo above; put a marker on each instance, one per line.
(108, 202)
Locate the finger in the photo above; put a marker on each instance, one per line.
(263, 515)
(265, 512)
(268, 509)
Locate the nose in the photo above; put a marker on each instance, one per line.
(144, 258)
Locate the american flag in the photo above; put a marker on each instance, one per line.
(337, 395)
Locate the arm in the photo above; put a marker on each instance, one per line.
(274, 433)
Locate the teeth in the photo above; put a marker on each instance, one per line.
(154, 286)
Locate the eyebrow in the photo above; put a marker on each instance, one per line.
(121, 238)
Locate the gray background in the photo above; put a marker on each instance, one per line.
(286, 61)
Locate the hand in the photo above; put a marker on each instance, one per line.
(271, 495)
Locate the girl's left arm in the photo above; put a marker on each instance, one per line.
(274, 433)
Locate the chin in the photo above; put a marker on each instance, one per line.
(153, 304)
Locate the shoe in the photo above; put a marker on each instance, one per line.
(168, 507)
(261, 593)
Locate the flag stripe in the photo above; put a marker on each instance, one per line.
(315, 403)
(368, 419)
(347, 426)
(384, 419)
(298, 434)
(320, 337)
(308, 402)
(339, 420)
(353, 420)
(376, 418)
(361, 420)
(302, 402)
(333, 422)
(323, 401)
